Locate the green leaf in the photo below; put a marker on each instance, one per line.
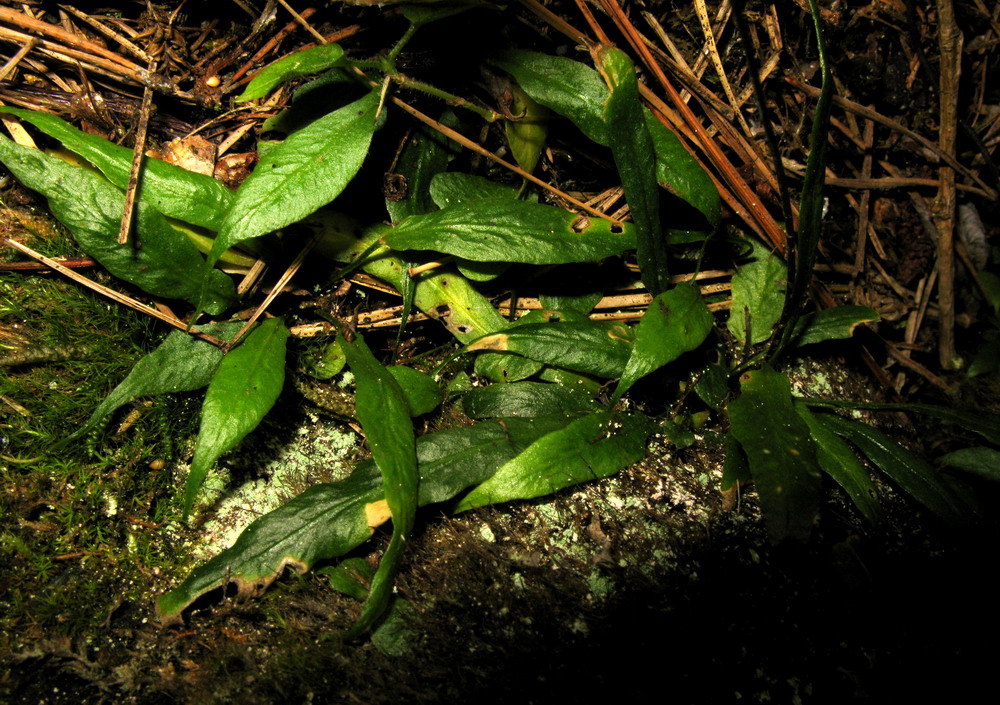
(758, 287)
(302, 174)
(243, 389)
(590, 347)
(450, 298)
(419, 15)
(832, 324)
(986, 425)
(576, 91)
(581, 303)
(572, 89)
(712, 386)
(597, 445)
(511, 231)
(331, 519)
(175, 192)
(991, 283)
(451, 188)
(676, 322)
(527, 134)
(984, 462)
(164, 264)
(323, 522)
(525, 399)
(913, 474)
(635, 157)
(301, 63)
(839, 462)
(454, 460)
(181, 363)
(422, 393)
(781, 453)
(384, 413)
(681, 174)
(351, 576)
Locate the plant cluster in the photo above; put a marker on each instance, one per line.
(551, 391)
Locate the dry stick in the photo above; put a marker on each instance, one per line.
(275, 290)
(269, 46)
(107, 32)
(861, 236)
(720, 70)
(742, 191)
(482, 151)
(138, 152)
(302, 21)
(12, 124)
(950, 41)
(111, 293)
(20, 19)
(754, 215)
(861, 110)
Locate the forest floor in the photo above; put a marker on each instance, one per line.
(652, 583)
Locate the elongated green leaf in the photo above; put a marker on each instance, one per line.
(832, 324)
(421, 392)
(984, 462)
(812, 205)
(450, 298)
(302, 174)
(597, 445)
(329, 520)
(301, 63)
(576, 91)
(758, 287)
(384, 413)
(635, 157)
(323, 522)
(182, 363)
(839, 462)
(451, 188)
(511, 231)
(164, 263)
(572, 89)
(781, 453)
(243, 389)
(676, 322)
(985, 424)
(913, 474)
(176, 192)
(587, 346)
(454, 460)
(525, 399)
(681, 174)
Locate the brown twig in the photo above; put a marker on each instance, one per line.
(950, 41)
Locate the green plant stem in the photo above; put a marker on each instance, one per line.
(450, 98)
(395, 51)
(802, 260)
